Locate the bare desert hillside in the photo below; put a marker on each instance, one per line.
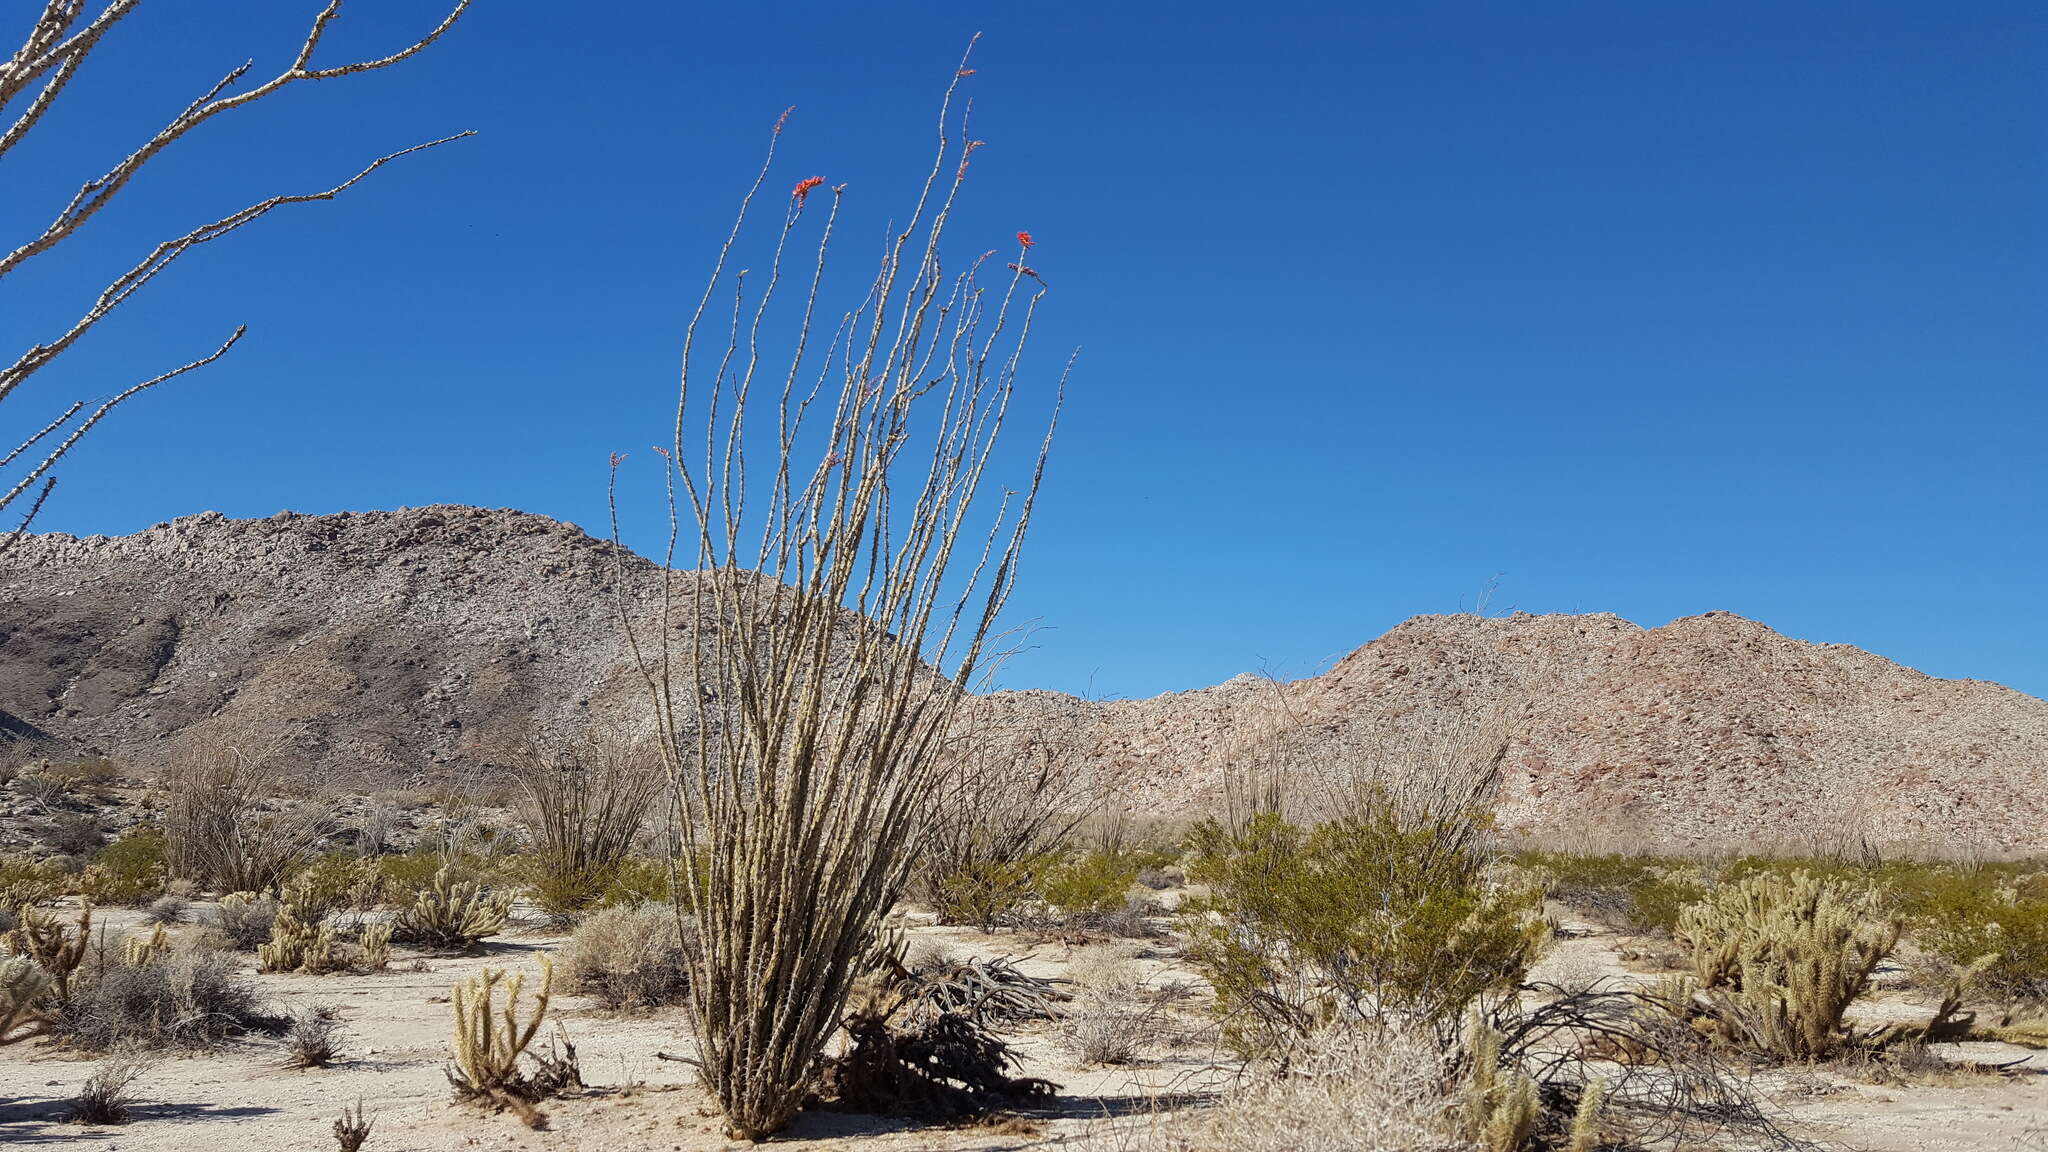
(394, 645)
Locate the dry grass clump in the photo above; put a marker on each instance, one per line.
(104, 1098)
(629, 957)
(315, 1038)
(1347, 1091)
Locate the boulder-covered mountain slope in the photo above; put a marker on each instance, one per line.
(392, 646)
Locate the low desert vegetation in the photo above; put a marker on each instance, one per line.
(584, 805)
(628, 957)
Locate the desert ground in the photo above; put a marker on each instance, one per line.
(397, 1023)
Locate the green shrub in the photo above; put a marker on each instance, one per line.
(1639, 894)
(408, 874)
(128, 871)
(638, 880)
(1356, 919)
(1992, 921)
(1088, 882)
(982, 893)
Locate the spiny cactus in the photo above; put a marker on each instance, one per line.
(488, 1040)
(374, 951)
(453, 914)
(297, 946)
(1779, 959)
(41, 937)
(1585, 1130)
(138, 951)
(23, 984)
(1501, 1106)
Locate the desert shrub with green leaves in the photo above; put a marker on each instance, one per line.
(1087, 882)
(131, 870)
(1639, 894)
(583, 803)
(639, 880)
(1992, 925)
(1778, 958)
(1358, 918)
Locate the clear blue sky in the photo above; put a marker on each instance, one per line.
(1648, 308)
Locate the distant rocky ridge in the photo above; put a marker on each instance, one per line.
(392, 646)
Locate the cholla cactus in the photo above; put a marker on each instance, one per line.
(138, 951)
(23, 984)
(374, 951)
(291, 939)
(488, 1040)
(41, 938)
(1779, 959)
(453, 914)
(1501, 1107)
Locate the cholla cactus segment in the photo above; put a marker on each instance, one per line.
(488, 1039)
(138, 951)
(23, 985)
(290, 938)
(1501, 1106)
(453, 914)
(41, 937)
(1779, 959)
(374, 951)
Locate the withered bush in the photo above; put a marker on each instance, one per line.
(104, 1098)
(628, 957)
(189, 999)
(583, 803)
(228, 825)
(245, 920)
(315, 1038)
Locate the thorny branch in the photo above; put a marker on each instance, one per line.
(56, 46)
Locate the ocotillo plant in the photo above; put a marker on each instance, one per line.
(806, 675)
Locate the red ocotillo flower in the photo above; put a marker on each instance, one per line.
(802, 191)
(1025, 239)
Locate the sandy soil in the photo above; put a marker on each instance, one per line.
(243, 1097)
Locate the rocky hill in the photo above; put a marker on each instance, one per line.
(391, 646)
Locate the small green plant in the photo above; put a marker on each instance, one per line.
(130, 871)
(1088, 882)
(1356, 919)
(639, 880)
